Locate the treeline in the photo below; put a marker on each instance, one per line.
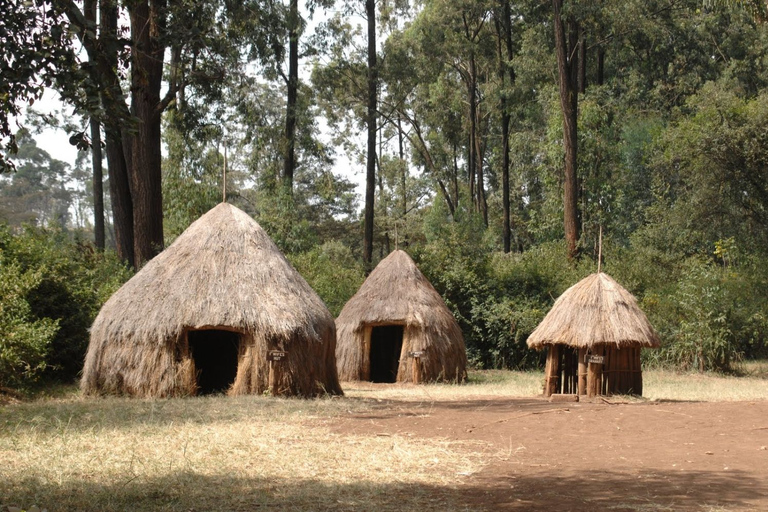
(508, 135)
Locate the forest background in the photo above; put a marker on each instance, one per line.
(498, 139)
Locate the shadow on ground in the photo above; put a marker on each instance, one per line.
(601, 490)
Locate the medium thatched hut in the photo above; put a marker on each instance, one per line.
(397, 328)
(206, 314)
(594, 333)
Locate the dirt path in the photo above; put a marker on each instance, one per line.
(594, 456)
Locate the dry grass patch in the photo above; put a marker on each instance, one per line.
(704, 387)
(215, 454)
(484, 383)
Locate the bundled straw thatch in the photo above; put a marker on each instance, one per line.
(596, 310)
(222, 273)
(397, 293)
(594, 333)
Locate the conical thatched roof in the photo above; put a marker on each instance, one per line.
(596, 310)
(223, 272)
(396, 292)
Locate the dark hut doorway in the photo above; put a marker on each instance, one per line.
(215, 355)
(386, 345)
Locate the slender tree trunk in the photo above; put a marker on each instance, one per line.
(370, 178)
(455, 177)
(90, 14)
(147, 27)
(505, 121)
(380, 178)
(447, 197)
(566, 68)
(600, 65)
(472, 161)
(582, 64)
(403, 165)
(98, 185)
(293, 87)
(117, 152)
(482, 205)
(120, 197)
(504, 30)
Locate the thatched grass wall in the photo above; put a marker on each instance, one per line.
(223, 272)
(397, 293)
(595, 317)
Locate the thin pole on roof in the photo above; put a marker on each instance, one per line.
(395, 235)
(600, 249)
(224, 179)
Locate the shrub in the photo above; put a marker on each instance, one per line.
(332, 271)
(72, 282)
(712, 317)
(24, 340)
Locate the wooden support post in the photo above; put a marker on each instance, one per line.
(552, 378)
(638, 374)
(582, 372)
(416, 369)
(629, 372)
(275, 358)
(614, 370)
(595, 372)
(593, 380)
(365, 373)
(273, 387)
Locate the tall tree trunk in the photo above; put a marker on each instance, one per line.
(380, 178)
(504, 30)
(600, 65)
(89, 13)
(293, 87)
(482, 205)
(472, 161)
(582, 64)
(566, 70)
(147, 27)
(370, 178)
(403, 165)
(116, 151)
(455, 178)
(120, 196)
(98, 185)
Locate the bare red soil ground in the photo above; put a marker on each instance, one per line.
(592, 456)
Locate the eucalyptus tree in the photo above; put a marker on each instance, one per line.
(182, 45)
(436, 70)
(370, 119)
(506, 51)
(36, 192)
(347, 87)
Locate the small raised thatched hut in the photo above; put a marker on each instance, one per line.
(206, 314)
(397, 328)
(594, 334)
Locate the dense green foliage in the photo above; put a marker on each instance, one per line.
(26, 340)
(55, 289)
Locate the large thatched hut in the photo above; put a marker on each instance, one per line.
(594, 333)
(397, 328)
(220, 310)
